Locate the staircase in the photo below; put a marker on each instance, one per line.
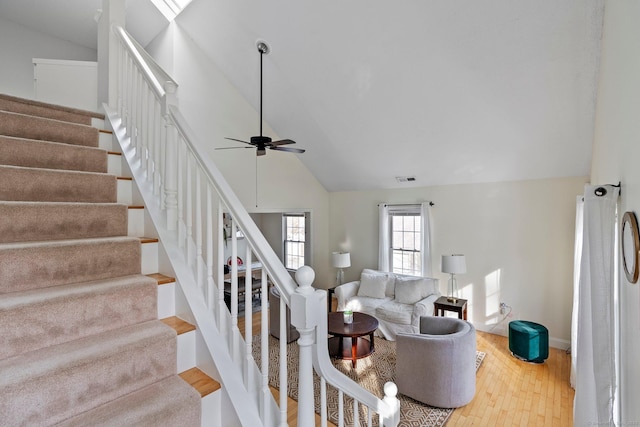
(80, 293)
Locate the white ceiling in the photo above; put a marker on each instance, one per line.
(448, 91)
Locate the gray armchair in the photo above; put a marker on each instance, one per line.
(274, 317)
(438, 365)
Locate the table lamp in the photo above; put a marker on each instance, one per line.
(340, 260)
(453, 264)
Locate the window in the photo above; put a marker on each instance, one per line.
(404, 242)
(294, 226)
(406, 235)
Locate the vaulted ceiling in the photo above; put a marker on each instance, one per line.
(446, 91)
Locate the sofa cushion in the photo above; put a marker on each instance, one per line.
(390, 283)
(395, 312)
(410, 290)
(366, 304)
(374, 285)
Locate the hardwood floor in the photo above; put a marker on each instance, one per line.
(509, 392)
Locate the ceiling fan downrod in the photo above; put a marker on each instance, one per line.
(264, 49)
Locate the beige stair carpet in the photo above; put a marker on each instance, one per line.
(80, 343)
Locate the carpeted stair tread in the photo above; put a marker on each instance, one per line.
(32, 127)
(42, 317)
(50, 185)
(35, 153)
(53, 384)
(170, 402)
(50, 111)
(35, 221)
(34, 265)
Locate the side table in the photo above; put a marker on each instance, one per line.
(442, 304)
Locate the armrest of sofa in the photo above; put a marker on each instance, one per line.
(346, 291)
(424, 307)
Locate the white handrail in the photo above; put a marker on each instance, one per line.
(163, 150)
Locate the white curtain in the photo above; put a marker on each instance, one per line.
(577, 256)
(595, 378)
(384, 242)
(425, 216)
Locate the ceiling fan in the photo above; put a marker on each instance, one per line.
(261, 143)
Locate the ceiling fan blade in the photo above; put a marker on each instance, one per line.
(283, 142)
(230, 148)
(238, 140)
(289, 149)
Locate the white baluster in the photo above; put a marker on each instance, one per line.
(323, 402)
(340, 408)
(198, 231)
(248, 323)
(189, 208)
(234, 292)
(283, 363)
(209, 263)
(264, 351)
(171, 176)
(181, 168)
(356, 414)
(150, 136)
(222, 308)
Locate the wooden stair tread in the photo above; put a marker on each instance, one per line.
(148, 240)
(125, 178)
(105, 131)
(161, 278)
(136, 206)
(180, 326)
(200, 381)
(114, 153)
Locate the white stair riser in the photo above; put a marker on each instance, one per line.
(166, 300)
(125, 192)
(97, 123)
(105, 141)
(136, 223)
(114, 164)
(211, 409)
(186, 351)
(149, 258)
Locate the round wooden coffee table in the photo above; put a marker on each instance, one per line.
(348, 340)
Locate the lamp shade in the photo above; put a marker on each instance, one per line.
(455, 264)
(341, 259)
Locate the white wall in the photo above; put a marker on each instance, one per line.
(616, 157)
(517, 237)
(215, 110)
(19, 45)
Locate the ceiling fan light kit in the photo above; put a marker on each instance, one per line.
(262, 142)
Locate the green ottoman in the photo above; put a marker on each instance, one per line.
(528, 341)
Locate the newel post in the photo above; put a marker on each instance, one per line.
(306, 309)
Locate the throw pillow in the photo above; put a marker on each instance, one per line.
(372, 285)
(410, 291)
(390, 283)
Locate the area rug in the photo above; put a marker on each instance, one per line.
(371, 373)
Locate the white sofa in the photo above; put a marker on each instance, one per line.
(396, 300)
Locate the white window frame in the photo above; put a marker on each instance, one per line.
(301, 244)
(386, 244)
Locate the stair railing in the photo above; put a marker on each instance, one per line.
(196, 214)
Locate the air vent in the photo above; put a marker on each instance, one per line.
(405, 178)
